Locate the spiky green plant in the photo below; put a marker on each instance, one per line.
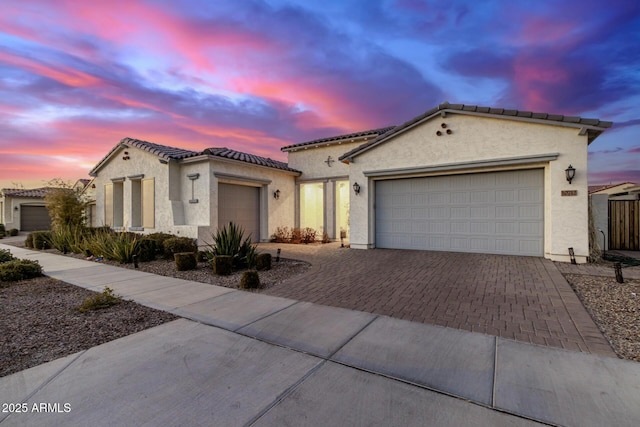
(230, 241)
(68, 238)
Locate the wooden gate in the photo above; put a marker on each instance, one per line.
(624, 225)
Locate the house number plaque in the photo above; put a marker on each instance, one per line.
(569, 193)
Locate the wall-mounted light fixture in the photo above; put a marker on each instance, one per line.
(570, 173)
(276, 194)
(356, 188)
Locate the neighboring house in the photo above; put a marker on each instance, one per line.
(456, 178)
(24, 210)
(622, 191)
(616, 215)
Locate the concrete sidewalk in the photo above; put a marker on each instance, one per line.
(241, 358)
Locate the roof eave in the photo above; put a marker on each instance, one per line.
(242, 162)
(592, 131)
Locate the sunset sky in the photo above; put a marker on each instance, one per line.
(78, 76)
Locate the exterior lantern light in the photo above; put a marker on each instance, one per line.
(356, 188)
(571, 173)
(276, 194)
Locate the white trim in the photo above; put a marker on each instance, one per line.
(227, 178)
(508, 161)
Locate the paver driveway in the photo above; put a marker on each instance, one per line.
(521, 298)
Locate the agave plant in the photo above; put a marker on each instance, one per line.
(230, 241)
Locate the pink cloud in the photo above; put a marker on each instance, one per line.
(60, 73)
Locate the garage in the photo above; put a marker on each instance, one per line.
(240, 204)
(33, 218)
(494, 212)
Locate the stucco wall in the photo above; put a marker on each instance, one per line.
(475, 139)
(311, 161)
(176, 211)
(274, 213)
(142, 163)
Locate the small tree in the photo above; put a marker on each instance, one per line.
(65, 205)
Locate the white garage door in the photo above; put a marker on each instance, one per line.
(240, 204)
(496, 212)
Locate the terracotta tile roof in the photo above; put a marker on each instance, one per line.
(372, 132)
(248, 158)
(36, 193)
(596, 188)
(594, 126)
(164, 151)
(173, 153)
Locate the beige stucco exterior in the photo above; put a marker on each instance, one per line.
(185, 192)
(481, 144)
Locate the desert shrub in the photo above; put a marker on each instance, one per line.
(2, 228)
(281, 235)
(309, 235)
(99, 230)
(19, 269)
(222, 265)
(176, 245)
(159, 238)
(263, 261)
(113, 246)
(13, 232)
(41, 239)
(105, 299)
(146, 250)
(185, 261)
(296, 236)
(65, 205)
(325, 238)
(231, 241)
(250, 280)
(28, 241)
(124, 246)
(5, 256)
(68, 238)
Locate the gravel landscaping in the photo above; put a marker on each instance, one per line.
(40, 322)
(615, 308)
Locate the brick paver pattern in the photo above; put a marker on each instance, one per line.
(521, 298)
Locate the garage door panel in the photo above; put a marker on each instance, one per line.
(530, 212)
(460, 227)
(240, 204)
(460, 197)
(34, 218)
(497, 212)
(506, 212)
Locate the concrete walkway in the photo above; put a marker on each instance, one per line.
(240, 358)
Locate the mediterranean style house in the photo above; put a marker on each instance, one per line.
(456, 178)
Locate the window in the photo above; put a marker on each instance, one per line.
(312, 206)
(114, 203)
(108, 205)
(142, 202)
